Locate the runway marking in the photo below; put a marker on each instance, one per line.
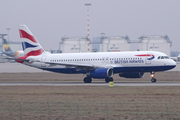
(89, 84)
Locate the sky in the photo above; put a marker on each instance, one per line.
(49, 20)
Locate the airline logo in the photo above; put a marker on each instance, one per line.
(30, 45)
(150, 56)
(6, 46)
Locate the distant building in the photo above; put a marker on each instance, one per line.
(73, 44)
(155, 43)
(115, 44)
(110, 44)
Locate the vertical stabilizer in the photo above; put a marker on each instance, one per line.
(5, 43)
(30, 44)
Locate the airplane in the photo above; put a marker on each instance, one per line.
(7, 50)
(99, 65)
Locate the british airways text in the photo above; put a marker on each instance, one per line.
(128, 61)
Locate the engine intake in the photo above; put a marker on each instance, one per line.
(132, 74)
(101, 73)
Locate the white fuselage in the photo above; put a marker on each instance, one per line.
(139, 61)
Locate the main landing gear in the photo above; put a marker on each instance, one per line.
(107, 79)
(89, 79)
(153, 79)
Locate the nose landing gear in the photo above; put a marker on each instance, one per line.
(153, 79)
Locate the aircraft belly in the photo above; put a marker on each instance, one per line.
(115, 70)
(142, 69)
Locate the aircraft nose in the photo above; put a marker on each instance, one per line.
(172, 63)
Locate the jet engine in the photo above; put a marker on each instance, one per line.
(101, 73)
(132, 74)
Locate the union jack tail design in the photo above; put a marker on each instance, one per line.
(30, 45)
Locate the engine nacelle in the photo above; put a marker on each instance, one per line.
(132, 74)
(101, 73)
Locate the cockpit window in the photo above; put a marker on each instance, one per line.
(163, 57)
(166, 57)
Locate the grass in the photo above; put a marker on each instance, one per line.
(87, 102)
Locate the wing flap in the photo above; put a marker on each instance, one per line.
(71, 64)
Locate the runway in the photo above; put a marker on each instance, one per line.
(88, 84)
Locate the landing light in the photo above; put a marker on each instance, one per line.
(152, 75)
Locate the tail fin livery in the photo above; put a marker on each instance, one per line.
(5, 43)
(7, 50)
(30, 45)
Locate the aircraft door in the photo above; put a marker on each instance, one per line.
(43, 59)
(148, 58)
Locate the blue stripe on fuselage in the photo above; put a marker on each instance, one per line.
(115, 70)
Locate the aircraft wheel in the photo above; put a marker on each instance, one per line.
(107, 80)
(153, 80)
(87, 80)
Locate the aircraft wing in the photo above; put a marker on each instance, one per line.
(70, 64)
(79, 66)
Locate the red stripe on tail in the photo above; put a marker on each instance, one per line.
(23, 58)
(35, 53)
(32, 53)
(24, 34)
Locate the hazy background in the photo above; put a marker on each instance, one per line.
(49, 20)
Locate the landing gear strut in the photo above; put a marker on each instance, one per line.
(153, 79)
(87, 80)
(107, 79)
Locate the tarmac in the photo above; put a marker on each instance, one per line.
(129, 84)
